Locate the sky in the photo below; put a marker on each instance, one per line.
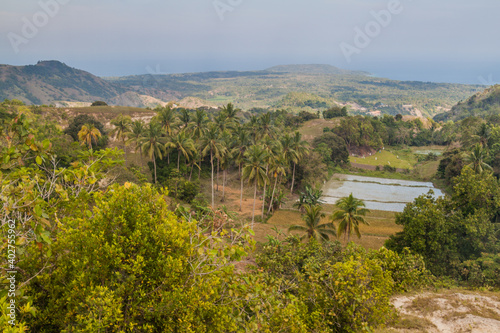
(423, 40)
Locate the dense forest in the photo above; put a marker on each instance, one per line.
(107, 245)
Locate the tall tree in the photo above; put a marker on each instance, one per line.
(226, 158)
(270, 147)
(135, 134)
(152, 143)
(266, 126)
(210, 144)
(230, 111)
(89, 133)
(184, 117)
(198, 124)
(242, 141)
(278, 169)
(313, 228)
(300, 150)
(350, 215)
(198, 128)
(183, 144)
(167, 119)
(122, 128)
(254, 170)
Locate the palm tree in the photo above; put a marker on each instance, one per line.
(313, 229)
(226, 158)
(166, 118)
(183, 144)
(254, 171)
(135, 134)
(311, 196)
(253, 127)
(483, 134)
(270, 147)
(277, 170)
(152, 142)
(300, 148)
(242, 140)
(184, 117)
(476, 159)
(210, 143)
(122, 128)
(350, 215)
(198, 127)
(230, 111)
(266, 126)
(89, 133)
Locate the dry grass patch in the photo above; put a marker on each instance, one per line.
(314, 128)
(424, 305)
(408, 323)
(373, 236)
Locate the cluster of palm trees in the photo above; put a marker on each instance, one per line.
(263, 153)
(349, 215)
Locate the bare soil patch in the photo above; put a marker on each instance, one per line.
(448, 312)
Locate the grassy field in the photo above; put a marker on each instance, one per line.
(398, 159)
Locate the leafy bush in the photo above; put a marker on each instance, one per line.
(335, 111)
(99, 103)
(484, 271)
(131, 265)
(343, 290)
(389, 168)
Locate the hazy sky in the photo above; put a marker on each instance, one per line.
(427, 40)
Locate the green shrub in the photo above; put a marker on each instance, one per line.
(131, 265)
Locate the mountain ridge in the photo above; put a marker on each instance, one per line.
(320, 87)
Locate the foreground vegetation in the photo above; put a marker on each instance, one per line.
(102, 247)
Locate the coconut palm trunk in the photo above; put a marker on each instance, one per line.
(254, 200)
(212, 164)
(264, 195)
(241, 190)
(293, 178)
(272, 195)
(218, 175)
(223, 184)
(154, 164)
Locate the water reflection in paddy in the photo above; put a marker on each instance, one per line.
(377, 193)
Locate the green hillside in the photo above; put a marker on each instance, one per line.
(482, 104)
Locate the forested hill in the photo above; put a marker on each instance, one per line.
(482, 104)
(309, 88)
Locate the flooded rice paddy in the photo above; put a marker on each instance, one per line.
(377, 193)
